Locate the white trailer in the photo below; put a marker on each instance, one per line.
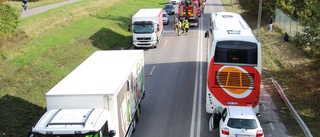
(100, 98)
(147, 27)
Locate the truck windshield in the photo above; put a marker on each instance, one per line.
(143, 27)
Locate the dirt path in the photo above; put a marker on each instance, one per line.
(38, 10)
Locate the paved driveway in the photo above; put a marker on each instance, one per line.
(37, 10)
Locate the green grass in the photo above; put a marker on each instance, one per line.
(296, 73)
(49, 46)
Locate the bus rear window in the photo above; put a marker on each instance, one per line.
(236, 52)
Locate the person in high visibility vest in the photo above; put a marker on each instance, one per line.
(175, 24)
(186, 26)
(182, 25)
(179, 27)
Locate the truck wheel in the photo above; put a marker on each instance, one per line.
(138, 113)
(134, 126)
(155, 46)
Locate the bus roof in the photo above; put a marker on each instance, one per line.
(231, 26)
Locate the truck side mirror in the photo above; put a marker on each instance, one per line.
(206, 35)
(112, 133)
(129, 28)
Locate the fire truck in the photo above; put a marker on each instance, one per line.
(191, 10)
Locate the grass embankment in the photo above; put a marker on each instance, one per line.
(296, 73)
(49, 46)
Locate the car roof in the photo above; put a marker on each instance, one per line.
(244, 112)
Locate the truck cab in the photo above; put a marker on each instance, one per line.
(147, 28)
(74, 123)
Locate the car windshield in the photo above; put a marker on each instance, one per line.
(168, 7)
(164, 15)
(242, 123)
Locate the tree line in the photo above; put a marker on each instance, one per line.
(306, 11)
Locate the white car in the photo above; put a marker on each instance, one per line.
(165, 18)
(174, 2)
(236, 121)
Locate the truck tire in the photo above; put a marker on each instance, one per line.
(138, 113)
(134, 123)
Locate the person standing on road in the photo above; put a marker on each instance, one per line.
(186, 27)
(24, 5)
(175, 24)
(270, 23)
(182, 25)
(179, 27)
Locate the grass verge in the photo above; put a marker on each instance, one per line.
(296, 73)
(49, 46)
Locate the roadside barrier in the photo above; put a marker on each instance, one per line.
(293, 111)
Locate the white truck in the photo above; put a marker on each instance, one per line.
(100, 98)
(147, 28)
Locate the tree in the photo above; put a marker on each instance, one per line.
(308, 14)
(9, 19)
(251, 6)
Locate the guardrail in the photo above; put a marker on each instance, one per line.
(293, 111)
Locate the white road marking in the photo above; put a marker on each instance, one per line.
(264, 107)
(152, 70)
(200, 36)
(197, 91)
(165, 43)
(271, 125)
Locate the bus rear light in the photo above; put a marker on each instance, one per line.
(225, 131)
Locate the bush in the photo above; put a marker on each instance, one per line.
(309, 42)
(9, 19)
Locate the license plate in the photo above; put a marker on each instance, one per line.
(242, 136)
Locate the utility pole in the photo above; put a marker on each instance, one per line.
(259, 17)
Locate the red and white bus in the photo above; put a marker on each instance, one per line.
(234, 63)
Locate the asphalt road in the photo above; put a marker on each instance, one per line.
(175, 87)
